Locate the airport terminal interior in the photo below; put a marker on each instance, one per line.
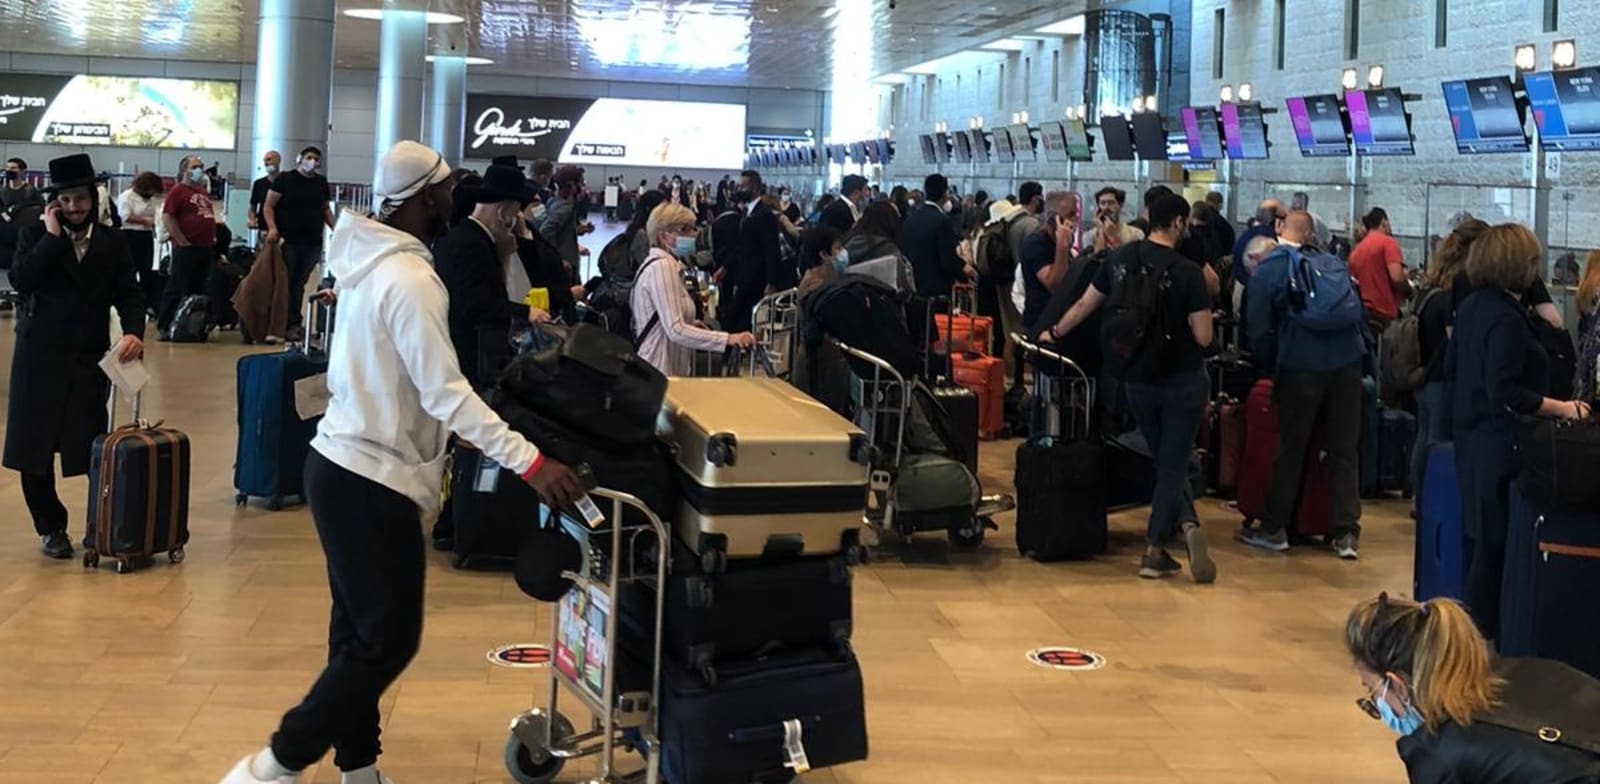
(977, 663)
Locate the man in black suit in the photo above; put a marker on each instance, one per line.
(70, 272)
(929, 241)
(846, 210)
(760, 266)
(471, 261)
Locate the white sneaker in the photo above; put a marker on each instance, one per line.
(241, 775)
(272, 340)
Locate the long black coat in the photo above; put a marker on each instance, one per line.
(58, 393)
(469, 264)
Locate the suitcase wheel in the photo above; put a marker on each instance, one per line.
(175, 555)
(714, 561)
(241, 499)
(91, 559)
(275, 503)
(857, 555)
(125, 566)
(528, 757)
(968, 535)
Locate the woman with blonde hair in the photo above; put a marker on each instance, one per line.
(1588, 328)
(1462, 717)
(1498, 370)
(664, 324)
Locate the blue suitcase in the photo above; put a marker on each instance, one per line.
(1386, 438)
(1440, 568)
(274, 432)
(1566, 580)
(1517, 580)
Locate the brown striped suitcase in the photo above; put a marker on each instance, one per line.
(138, 495)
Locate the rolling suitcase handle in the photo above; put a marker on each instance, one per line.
(138, 404)
(1047, 393)
(964, 303)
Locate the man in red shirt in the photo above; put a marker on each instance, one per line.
(192, 226)
(1378, 267)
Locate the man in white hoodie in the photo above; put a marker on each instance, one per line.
(377, 463)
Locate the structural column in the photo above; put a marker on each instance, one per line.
(294, 77)
(402, 53)
(447, 105)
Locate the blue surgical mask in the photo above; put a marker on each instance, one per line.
(841, 261)
(197, 175)
(1402, 725)
(683, 247)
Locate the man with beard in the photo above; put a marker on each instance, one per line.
(377, 463)
(70, 272)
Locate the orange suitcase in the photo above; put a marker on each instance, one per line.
(986, 377)
(963, 332)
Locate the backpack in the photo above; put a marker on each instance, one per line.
(996, 259)
(1401, 365)
(192, 321)
(1133, 322)
(1322, 296)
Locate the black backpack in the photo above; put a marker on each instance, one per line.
(192, 322)
(997, 260)
(1134, 324)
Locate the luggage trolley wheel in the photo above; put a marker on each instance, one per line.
(528, 760)
(969, 534)
(175, 555)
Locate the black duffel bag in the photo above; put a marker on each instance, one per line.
(589, 380)
(1559, 460)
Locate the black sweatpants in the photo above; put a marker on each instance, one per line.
(1305, 399)
(372, 537)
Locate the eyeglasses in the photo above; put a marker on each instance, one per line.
(1369, 706)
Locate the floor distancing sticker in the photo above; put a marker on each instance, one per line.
(521, 656)
(1057, 658)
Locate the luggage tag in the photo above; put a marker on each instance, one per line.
(794, 751)
(488, 478)
(591, 513)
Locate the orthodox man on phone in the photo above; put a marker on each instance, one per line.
(377, 463)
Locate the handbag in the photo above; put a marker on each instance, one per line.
(1558, 460)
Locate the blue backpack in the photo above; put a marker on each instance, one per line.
(1322, 297)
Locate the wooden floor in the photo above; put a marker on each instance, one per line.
(171, 674)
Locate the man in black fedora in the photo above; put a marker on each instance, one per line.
(69, 273)
(472, 260)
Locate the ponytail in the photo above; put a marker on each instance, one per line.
(1435, 647)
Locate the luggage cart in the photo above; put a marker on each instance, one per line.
(585, 655)
(883, 408)
(775, 323)
(1059, 386)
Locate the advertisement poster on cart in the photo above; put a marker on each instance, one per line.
(119, 111)
(614, 131)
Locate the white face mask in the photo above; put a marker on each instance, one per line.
(272, 168)
(309, 165)
(537, 213)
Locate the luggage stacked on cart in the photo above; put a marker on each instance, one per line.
(586, 399)
(1552, 570)
(967, 339)
(282, 396)
(758, 680)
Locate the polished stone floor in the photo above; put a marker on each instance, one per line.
(170, 674)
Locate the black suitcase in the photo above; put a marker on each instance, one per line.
(1061, 499)
(492, 509)
(222, 282)
(961, 407)
(138, 495)
(750, 608)
(1566, 578)
(735, 733)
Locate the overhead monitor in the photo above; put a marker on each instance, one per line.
(1177, 146)
(1079, 146)
(1118, 136)
(885, 151)
(941, 147)
(858, 152)
(1150, 136)
(1201, 134)
(1021, 142)
(1378, 123)
(1566, 107)
(122, 111)
(614, 131)
(1319, 126)
(1244, 131)
(1485, 115)
(1053, 137)
(1004, 152)
(871, 150)
(963, 147)
(926, 141)
(980, 146)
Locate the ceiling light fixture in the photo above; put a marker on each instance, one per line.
(374, 14)
(1072, 26)
(469, 60)
(1246, 92)
(1348, 79)
(1375, 77)
(1525, 57)
(1005, 45)
(1564, 54)
(1226, 93)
